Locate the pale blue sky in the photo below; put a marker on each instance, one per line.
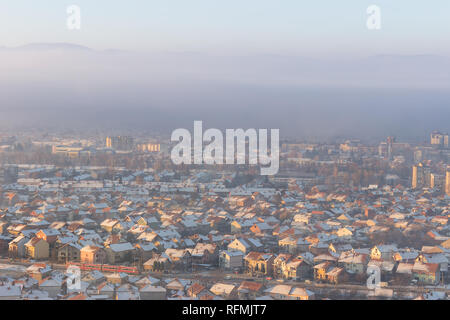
(313, 27)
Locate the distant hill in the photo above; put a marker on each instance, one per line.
(52, 46)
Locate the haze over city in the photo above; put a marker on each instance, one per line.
(217, 155)
(310, 69)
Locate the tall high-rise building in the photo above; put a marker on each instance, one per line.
(123, 143)
(437, 181)
(385, 148)
(390, 141)
(415, 174)
(418, 156)
(439, 139)
(420, 176)
(447, 182)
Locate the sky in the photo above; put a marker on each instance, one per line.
(309, 68)
(234, 26)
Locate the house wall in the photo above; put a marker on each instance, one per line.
(39, 251)
(52, 291)
(153, 295)
(427, 278)
(68, 253)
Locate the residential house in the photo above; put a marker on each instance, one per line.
(4, 244)
(107, 289)
(279, 264)
(279, 292)
(383, 252)
(92, 254)
(288, 292)
(225, 290)
(297, 269)
(404, 273)
(336, 275)
(16, 247)
(37, 248)
(321, 269)
(205, 253)
(301, 294)
(406, 256)
(68, 252)
(117, 278)
(180, 258)
(150, 292)
(177, 284)
(39, 271)
(109, 224)
(289, 244)
(426, 273)
(438, 258)
(249, 290)
(261, 228)
(50, 285)
(259, 263)
(119, 252)
(145, 251)
(196, 290)
(327, 271)
(239, 245)
(231, 260)
(353, 262)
